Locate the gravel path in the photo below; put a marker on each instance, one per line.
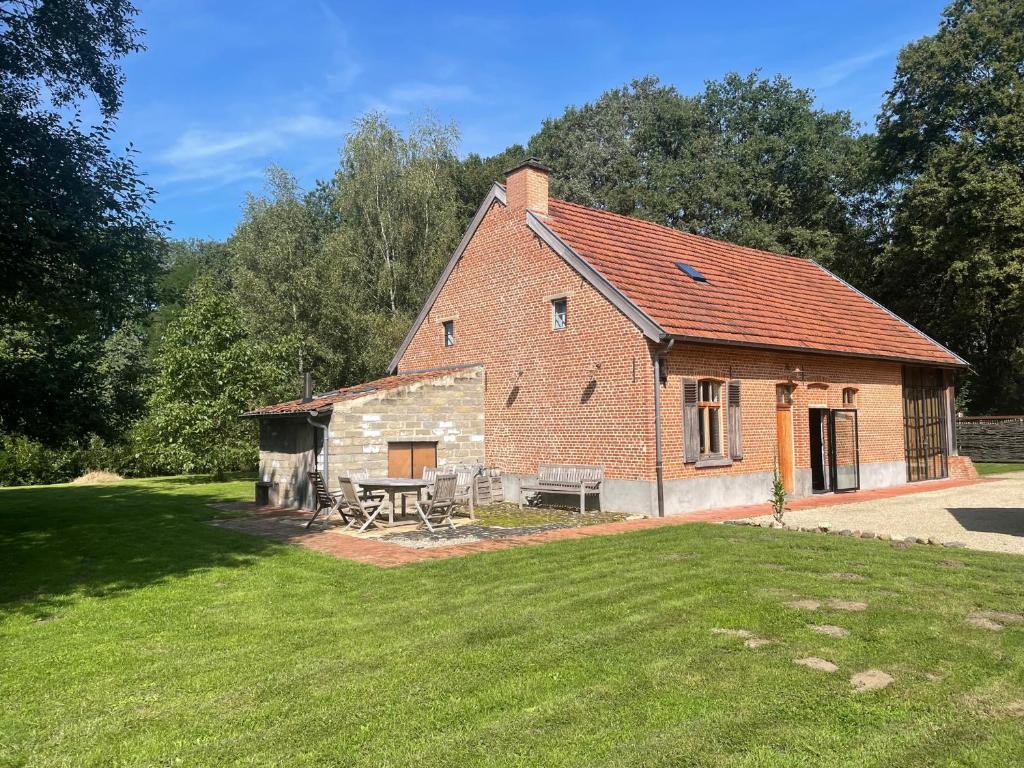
(987, 516)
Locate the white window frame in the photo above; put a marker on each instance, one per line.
(564, 301)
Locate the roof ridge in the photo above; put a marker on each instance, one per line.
(678, 232)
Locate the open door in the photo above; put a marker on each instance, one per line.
(844, 450)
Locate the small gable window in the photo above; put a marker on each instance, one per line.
(449, 333)
(559, 313)
(850, 396)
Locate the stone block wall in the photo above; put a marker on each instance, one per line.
(447, 410)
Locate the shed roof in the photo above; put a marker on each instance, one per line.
(325, 401)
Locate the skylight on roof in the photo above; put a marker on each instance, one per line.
(686, 269)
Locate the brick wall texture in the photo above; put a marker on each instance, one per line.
(585, 394)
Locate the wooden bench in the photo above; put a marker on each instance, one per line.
(582, 479)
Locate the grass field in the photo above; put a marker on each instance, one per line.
(131, 633)
(985, 468)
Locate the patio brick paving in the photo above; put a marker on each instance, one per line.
(285, 525)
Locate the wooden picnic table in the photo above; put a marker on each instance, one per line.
(394, 486)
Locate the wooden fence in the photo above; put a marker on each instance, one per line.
(991, 438)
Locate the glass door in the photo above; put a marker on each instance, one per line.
(844, 450)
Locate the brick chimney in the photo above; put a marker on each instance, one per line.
(526, 186)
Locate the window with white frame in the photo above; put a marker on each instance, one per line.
(449, 333)
(850, 396)
(559, 313)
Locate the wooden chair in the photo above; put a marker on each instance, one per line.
(438, 510)
(358, 476)
(357, 507)
(325, 500)
(465, 475)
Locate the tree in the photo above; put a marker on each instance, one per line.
(474, 176)
(748, 160)
(290, 290)
(208, 370)
(78, 251)
(185, 262)
(400, 221)
(951, 156)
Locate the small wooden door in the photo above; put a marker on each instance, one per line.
(784, 429)
(409, 459)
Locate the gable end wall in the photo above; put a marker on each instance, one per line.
(579, 395)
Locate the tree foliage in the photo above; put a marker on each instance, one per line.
(78, 250)
(396, 199)
(289, 293)
(951, 154)
(208, 370)
(748, 160)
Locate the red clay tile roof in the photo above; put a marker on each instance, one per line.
(751, 297)
(327, 399)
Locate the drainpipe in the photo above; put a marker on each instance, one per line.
(327, 445)
(659, 461)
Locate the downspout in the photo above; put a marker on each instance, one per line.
(327, 445)
(659, 460)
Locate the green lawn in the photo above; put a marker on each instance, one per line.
(986, 468)
(131, 633)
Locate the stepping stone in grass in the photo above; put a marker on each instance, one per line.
(775, 566)
(952, 563)
(870, 680)
(931, 677)
(757, 642)
(983, 623)
(732, 632)
(1006, 617)
(813, 662)
(846, 605)
(829, 629)
(848, 576)
(805, 605)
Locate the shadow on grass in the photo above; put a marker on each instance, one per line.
(60, 543)
(1006, 520)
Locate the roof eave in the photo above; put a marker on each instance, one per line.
(961, 363)
(819, 351)
(287, 414)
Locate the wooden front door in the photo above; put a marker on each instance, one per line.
(409, 459)
(784, 430)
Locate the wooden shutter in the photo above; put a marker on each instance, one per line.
(423, 455)
(735, 420)
(399, 460)
(691, 417)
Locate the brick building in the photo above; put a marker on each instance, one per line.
(687, 367)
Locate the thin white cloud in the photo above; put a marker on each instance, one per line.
(345, 67)
(201, 154)
(837, 71)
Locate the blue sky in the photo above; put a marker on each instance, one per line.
(227, 87)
